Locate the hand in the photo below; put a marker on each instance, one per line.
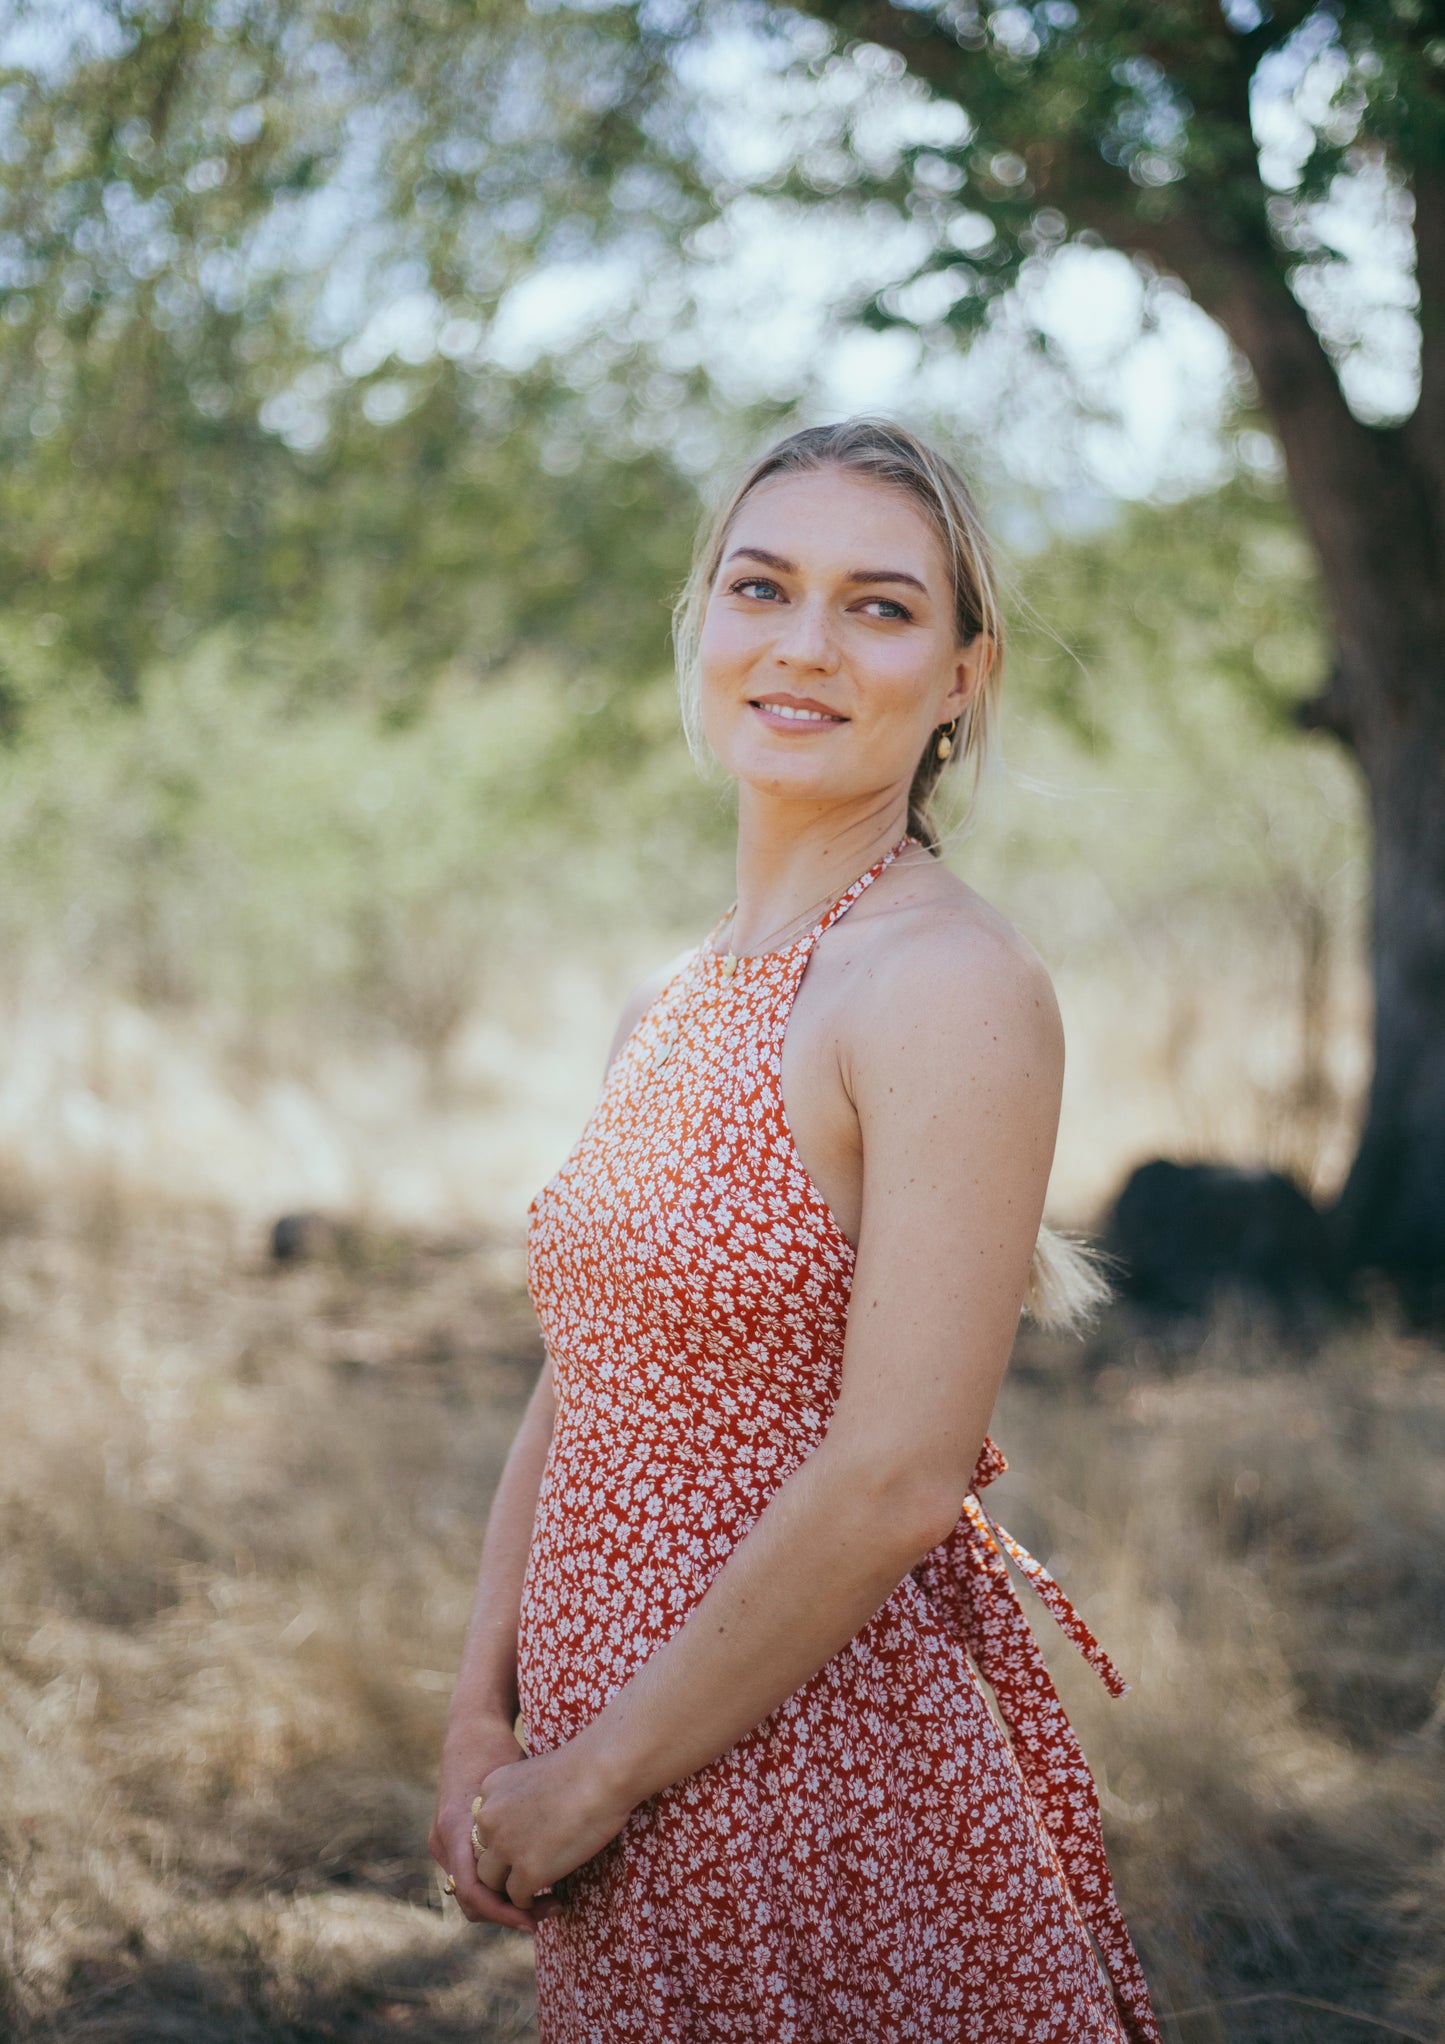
(470, 1755)
(539, 1818)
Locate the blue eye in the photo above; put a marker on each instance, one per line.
(753, 582)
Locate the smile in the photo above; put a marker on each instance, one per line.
(796, 713)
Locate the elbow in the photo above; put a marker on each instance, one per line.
(936, 1513)
(913, 1507)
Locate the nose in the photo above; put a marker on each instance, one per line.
(805, 639)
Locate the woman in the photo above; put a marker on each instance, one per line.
(737, 1575)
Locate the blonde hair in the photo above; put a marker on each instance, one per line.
(1066, 1284)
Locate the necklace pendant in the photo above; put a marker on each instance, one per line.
(729, 964)
(664, 1047)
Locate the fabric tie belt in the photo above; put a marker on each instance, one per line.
(968, 1576)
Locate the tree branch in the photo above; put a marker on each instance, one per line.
(1237, 280)
(1361, 494)
(929, 53)
(1358, 499)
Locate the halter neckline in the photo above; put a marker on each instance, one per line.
(845, 900)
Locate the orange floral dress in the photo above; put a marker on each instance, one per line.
(880, 1861)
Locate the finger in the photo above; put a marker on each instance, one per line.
(491, 1869)
(480, 1904)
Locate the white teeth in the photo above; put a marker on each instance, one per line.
(800, 716)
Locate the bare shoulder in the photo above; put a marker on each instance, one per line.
(943, 982)
(641, 999)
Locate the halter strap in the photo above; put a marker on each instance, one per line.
(840, 907)
(846, 900)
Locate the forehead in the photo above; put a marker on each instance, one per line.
(833, 518)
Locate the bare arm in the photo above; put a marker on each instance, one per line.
(486, 1685)
(956, 1072)
(484, 1705)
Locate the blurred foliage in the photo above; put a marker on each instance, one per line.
(1154, 676)
(251, 265)
(1221, 592)
(230, 839)
(333, 638)
(242, 836)
(252, 259)
(248, 257)
(1130, 122)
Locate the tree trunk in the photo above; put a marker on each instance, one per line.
(1370, 500)
(1391, 1213)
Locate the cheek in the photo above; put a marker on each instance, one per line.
(898, 678)
(723, 645)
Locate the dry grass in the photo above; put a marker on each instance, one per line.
(239, 1517)
(241, 1512)
(1259, 1533)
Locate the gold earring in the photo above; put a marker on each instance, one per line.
(945, 738)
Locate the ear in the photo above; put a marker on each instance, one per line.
(971, 669)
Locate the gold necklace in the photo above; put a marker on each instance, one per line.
(666, 1042)
(667, 1039)
(731, 960)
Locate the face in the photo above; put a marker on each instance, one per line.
(828, 648)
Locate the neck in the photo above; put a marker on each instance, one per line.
(790, 854)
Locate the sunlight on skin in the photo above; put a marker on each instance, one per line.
(833, 595)
(829, 656)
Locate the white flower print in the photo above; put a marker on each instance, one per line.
(879, 1861)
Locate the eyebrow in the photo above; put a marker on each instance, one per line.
(787, 567)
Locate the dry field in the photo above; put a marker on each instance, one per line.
(239, 1512)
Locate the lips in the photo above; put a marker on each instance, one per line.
(802, 711)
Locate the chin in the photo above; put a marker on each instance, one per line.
(803, 780)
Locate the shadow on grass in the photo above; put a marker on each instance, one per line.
(244, 1993)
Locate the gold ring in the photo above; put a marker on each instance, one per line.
(451, 1884)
